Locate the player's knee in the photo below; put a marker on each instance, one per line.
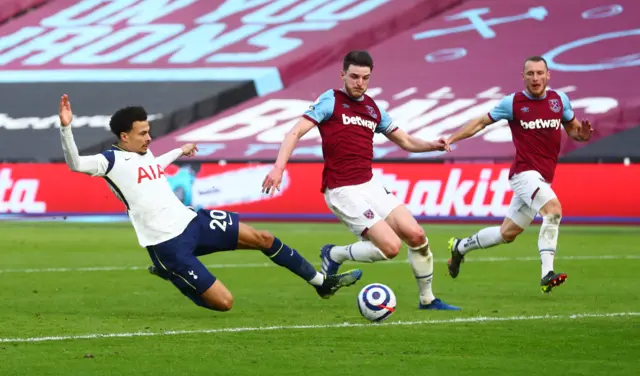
(265, 239)
(391, 247)
(226, 304)
(222, 304)
(553, 209)
(415, 237)
(552, 219)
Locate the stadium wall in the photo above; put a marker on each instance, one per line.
(590, 193)
(12, 8)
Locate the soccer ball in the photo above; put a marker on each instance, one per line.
(376, 302)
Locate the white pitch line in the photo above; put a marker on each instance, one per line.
(268, 264)
(466, 320)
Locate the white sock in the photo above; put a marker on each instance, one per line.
(485, 238)
(548, 241)
(363, 251)
(547, 257)
(421, 260)
(317, 280)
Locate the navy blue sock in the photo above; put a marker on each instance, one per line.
(282, 255)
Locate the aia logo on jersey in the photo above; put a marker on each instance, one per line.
(151, 173)
(554, 104)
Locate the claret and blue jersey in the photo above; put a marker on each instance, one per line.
(536, 129)
(347, 127)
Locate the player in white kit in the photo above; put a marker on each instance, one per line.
(173, 234)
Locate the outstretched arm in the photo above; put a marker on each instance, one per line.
(169, 157)
(413, 144)
(502, 111)
(471, 128)
(292, 137)
(96, 165)
(317, 113)
(188, 150)
(273, 179)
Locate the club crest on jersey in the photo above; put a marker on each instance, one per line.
(554, 104)
(368, 214)
(372, 111)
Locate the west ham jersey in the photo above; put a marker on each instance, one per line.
(347, 127)
(536, 128)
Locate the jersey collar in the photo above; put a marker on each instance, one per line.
(534, 98)
(347, 94)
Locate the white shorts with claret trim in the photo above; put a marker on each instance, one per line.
(530, 193)
(361, 206)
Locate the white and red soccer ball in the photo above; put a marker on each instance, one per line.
(376, 302)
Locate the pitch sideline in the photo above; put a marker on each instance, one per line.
(466, 320)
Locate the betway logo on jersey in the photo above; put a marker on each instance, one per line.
(257, 131)
(482, 196)
(541, 124)
(19, 196)
(357, 120)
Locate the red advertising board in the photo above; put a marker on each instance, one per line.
(589, 193)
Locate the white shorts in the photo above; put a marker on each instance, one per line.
(530, 193)
(361, 206)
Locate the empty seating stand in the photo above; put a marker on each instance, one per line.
(11, 8)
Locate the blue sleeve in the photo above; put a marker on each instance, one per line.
(567, 112)
(322, 109)
(111, 158)
(504, 109)
(386, 125)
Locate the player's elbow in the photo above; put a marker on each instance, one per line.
(73, 167)
(294, 134)
(479, 125)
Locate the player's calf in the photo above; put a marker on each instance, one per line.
(548, 237)
(278, 252)
(486, 238)
(382, 244)
(509, 231)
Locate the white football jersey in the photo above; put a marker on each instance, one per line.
(138, 180)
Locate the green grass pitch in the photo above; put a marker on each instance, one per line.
(76, 299)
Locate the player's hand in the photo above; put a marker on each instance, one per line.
(585, 131)
(189, 150)
(447, 145)
(439, 145)
(272, 181)
(65, 111)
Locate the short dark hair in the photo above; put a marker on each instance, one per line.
(536, 59)
(123, 119)
(357, 58)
